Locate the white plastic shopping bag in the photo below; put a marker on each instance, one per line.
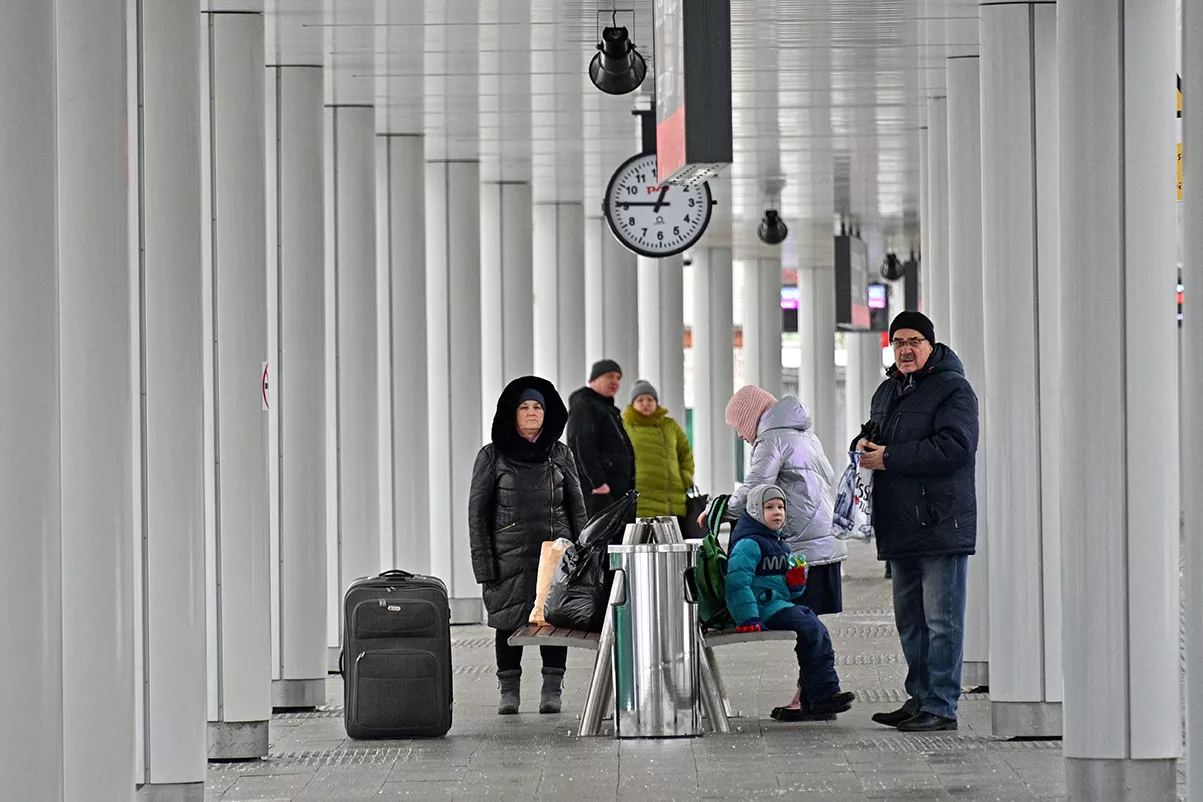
(853, 518)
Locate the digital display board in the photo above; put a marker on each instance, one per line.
(851, 283)
(692, 61)
(879, 296)
(789, 297)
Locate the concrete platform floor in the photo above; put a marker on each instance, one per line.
(538, 757)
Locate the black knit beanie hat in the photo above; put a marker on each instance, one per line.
(602, 367)
(918, 321)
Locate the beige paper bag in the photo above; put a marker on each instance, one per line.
(549, 560)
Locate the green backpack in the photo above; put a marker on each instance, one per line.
(711, 572)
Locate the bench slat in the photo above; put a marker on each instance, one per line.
(533, 635)
(727, 637)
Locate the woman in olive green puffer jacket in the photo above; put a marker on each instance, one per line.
(663, 458)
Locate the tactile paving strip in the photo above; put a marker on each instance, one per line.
(945, 743)
(329, 711)
(359, 756)
(884, 695)
(865, 612)
(884, 659)
(864, 631)
(472, 643)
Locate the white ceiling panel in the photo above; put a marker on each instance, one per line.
(828, 97)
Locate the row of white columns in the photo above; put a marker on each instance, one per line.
(103, 432)
(1048, 164)
(169, 507)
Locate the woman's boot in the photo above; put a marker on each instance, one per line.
(511, 688)
(553, 685)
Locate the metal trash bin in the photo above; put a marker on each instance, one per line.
(656, 655)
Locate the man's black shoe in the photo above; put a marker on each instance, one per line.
(928, 722)
(893, 718)
(836, 703)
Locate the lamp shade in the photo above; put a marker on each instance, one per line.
(618, 68)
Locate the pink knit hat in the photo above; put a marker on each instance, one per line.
(745, 409)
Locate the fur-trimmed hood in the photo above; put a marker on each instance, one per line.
(505, 421)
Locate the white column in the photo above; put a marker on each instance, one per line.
(96, 395)
(237, 529)
(1191, 447)
(713, 364)
(925, 224)
(762, 323)
(31, 739)
(506, 289)
(935, 257)
(559, 288)
(1120, 536)
(1020, 403)
(351, 222)
(558, 183)
(859, 386)
(817, 323)
(864, 375)
(854, 400)
(503, 103)
(611, 301)
(170, 596)
(296, 275)
(453, 335)
(966, 334)
(401, 233)
(661, 288)
(453, 248)
(401, 291)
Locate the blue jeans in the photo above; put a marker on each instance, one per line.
(929, 608)
(816, 658)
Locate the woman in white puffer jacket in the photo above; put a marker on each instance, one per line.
(787, 453)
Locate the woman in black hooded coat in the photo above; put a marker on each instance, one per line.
(525, 491)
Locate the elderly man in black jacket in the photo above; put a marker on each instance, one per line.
(604, 456)
(925, 513)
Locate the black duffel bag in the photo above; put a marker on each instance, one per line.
(580, 588)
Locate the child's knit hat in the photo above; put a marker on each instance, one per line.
(758, 497)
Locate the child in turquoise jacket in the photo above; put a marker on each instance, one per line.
(765, 585)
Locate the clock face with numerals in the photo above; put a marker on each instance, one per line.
(651, 219)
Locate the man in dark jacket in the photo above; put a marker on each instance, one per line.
(925, 513)
(604, 456)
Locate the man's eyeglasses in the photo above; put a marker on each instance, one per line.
(913, 342)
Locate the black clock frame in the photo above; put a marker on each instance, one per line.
(708, 205)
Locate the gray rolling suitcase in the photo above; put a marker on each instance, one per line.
(396, 657)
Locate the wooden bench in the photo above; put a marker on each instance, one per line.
(535, 635)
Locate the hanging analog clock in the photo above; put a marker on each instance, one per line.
(651, 219)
